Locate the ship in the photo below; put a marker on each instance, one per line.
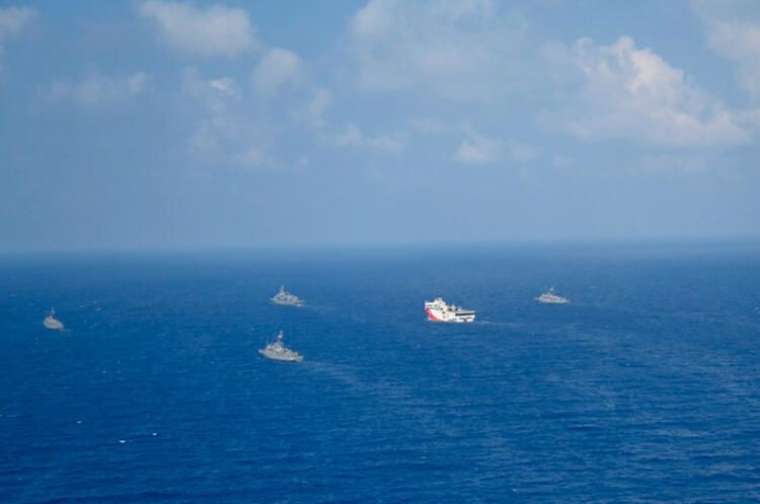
(440, 311)
(550, 297)
(285, 298)
(279, 352)
(52, 323)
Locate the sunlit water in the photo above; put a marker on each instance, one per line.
(646, 388)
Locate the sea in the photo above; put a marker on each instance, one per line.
(644, 388)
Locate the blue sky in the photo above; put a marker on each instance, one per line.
(158, 124)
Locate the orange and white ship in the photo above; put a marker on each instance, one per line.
(440, 311)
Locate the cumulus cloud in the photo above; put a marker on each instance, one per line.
(477, 52)
(349, 136)
(317, 107)
(276, 69)
(223, 130)
(97, 89)
(478, 150)
(740, 42)
(216, 100)
(352, 136)
(212, 31)
(733, 31)
(13, 21)
(631, 93)
(463, 51)
(225, 86)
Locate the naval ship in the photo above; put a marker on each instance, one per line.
(439, 311)
(52, 323)
(279, 352)
(284, 297)
(549, 297)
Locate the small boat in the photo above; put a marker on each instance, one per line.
(550, 297)
(438, 310)
(279, 352)
(286, 298)
(52, 323)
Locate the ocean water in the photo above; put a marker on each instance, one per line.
(646, 388)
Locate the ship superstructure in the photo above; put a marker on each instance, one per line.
(440, 311)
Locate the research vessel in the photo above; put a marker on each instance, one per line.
(440, 311)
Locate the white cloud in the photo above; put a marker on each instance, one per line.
(631, 93)
(276, 69)
(478, 150)
(223, 129)
(13, 21)
(216, 100)
(317, 107)
(739, 41)
(97, 89)
(212, 31)
(462, 51)
(352, 136)
(225, 86)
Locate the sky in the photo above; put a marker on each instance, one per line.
(153, 124)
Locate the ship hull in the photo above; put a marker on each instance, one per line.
(281, 358)
(545, 300)
(287, 303)
(435, 315)
(53, 325)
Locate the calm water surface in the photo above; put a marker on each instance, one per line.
(646, 388)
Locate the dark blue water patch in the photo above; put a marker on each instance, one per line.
(644, 389)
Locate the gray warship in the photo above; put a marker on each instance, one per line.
(52, 323)
(279, 352)
(285, 298)
(550, 297)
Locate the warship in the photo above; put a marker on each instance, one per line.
(52, 323)
(279, 352)
(550, 297)
(285, 298)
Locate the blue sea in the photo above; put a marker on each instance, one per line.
(646, 388)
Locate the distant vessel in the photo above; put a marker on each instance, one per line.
(278, 351)
(51, 322)
(439, 311)
(284, 297)
(549, 297)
